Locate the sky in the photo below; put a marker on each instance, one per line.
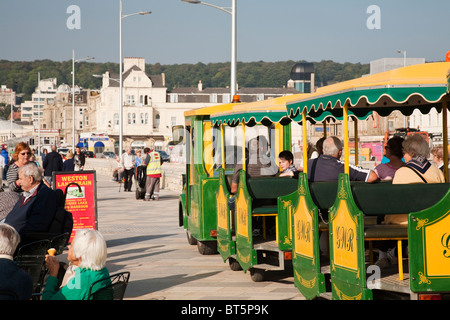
(177, 32)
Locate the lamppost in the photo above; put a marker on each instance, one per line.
(73, 94)
(121, 17)
(404, 56)
(232, 12)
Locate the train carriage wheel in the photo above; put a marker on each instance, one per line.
(190, 238)
(257, 275)
(207, 247)
(234, 264)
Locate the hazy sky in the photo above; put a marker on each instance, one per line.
(177, 32)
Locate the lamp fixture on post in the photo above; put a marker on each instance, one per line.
(232, 12)
(121, 17)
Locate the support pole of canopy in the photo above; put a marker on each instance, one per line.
(222, 142)
(355, 123)
(244, 160)
(346, 147)
(324, 124)
(305, 143)
(445, 135)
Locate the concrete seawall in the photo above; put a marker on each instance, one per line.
(171, 172)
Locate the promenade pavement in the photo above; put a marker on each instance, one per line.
(145, 239)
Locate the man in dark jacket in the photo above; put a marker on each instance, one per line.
(52, 162)
(36, 208)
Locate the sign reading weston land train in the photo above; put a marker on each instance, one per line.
(80, 192)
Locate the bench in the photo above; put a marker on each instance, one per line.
(265, 191)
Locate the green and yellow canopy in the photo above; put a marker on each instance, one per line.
(251, 113)
(405, 89)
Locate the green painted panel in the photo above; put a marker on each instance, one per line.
(346, 233)
(305, 241)
(429, 248)
(225, 245)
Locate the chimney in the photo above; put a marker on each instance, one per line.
(200, 85)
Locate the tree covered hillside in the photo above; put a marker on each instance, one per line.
(22, 76)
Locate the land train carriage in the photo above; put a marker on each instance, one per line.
(347, 273)
(197, 203)
(256, 197)
(216, 142)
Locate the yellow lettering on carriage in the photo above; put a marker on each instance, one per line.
(437, 248)
(303, 230)
(344, 238)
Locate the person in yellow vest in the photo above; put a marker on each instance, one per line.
(153, 162)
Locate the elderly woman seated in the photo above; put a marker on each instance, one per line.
(417, 170)
(87, 256)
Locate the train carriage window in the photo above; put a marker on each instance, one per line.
(233, 144)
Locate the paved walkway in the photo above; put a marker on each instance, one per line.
(145, 239)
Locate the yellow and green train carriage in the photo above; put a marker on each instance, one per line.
(351, 205)
(347, 273)
(197, 202)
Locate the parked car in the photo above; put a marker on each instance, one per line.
(89, 154)
(108, 155)
(165, 157)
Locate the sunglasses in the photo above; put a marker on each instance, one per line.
(25, 153)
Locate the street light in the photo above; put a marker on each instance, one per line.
(232, 12)
(73, 94)
(404, 56)
(121, 17)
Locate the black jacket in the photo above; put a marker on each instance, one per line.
(52, 162)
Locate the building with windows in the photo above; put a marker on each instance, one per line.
(44, 94)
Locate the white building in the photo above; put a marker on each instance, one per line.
(44, 93)
(386, 64)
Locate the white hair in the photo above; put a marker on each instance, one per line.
(9, 239)
(416, 146)
(331, 146)
(90, 246)
(31, 170)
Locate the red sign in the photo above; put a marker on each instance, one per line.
(79, 188)
(447, 56)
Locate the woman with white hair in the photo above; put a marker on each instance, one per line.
(87, 254)
(418, 169)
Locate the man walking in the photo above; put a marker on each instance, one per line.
(153, 162)
(128, 162)
(52, 162)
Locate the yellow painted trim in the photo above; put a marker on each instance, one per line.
(222, 138)
(275, 104)
(208, 160)
(244, 160)
(445, 134)
(209, 110)
(305, 143)
(346, 146)
(355, 123)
